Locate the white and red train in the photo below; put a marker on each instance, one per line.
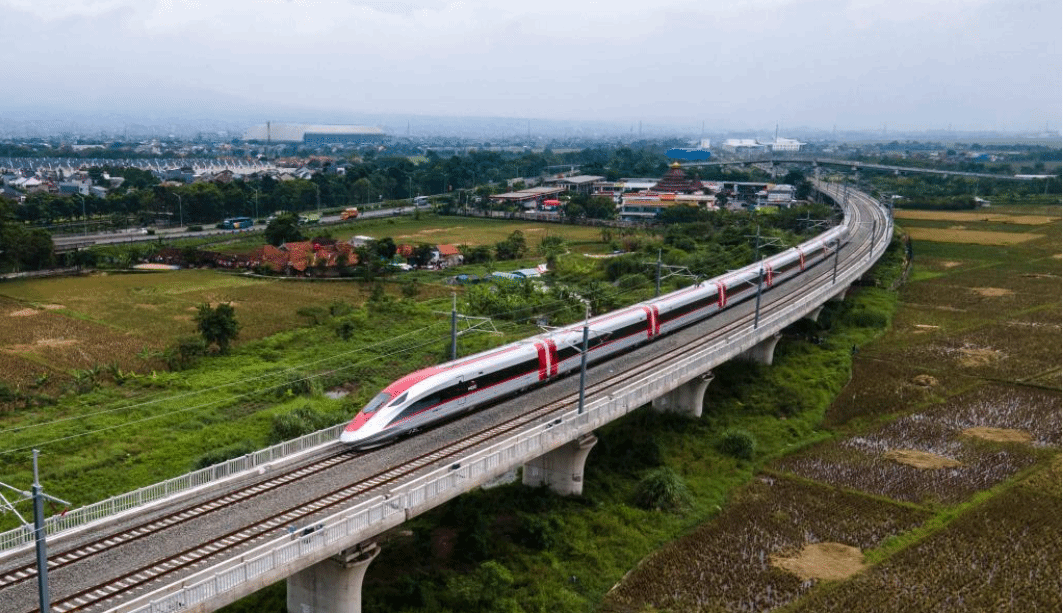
(440, 392)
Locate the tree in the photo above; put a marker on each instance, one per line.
(218, 325)
(422, 253)
(513, 248)
(551, 247)
(384, 248)
(283, 229)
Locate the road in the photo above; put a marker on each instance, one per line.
(69, 242)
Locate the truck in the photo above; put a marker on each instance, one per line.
(350, 212)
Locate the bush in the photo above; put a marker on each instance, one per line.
(537, 531)
(185, 352)
(316, 314)
(662, 489)
(299, 384)
(217, 456)
(303, 420)
(739, 444)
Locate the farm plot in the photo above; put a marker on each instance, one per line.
(983, 217)
(1003, 555)
(1013, 350)
(60, 324)
(963, 235)
(756, 555)
(39, 343)
(884, 386)
(930, 456)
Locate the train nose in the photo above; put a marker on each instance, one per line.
(350, 433)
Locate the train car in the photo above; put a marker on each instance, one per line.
(438, 393)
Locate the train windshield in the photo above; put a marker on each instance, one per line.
(377, 402)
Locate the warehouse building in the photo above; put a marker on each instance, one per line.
(313, 134)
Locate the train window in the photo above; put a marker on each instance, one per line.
(418, 406)
(401, 399)
(376, 402)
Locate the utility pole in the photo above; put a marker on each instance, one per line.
(874, 228)
(38, 497)
(760, 284)
(837, 250)
(84, 217)
(454, 326)
(583, 359)
(658, 294)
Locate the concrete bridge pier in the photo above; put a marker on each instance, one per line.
(814, 314)
(763, 352)
(561, 469)
(333, 585)
(687, 399)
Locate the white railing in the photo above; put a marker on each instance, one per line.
(19, 537)
(284, 556)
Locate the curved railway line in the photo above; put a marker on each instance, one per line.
(75, 591)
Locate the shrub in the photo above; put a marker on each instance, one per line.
(537, 531)
(316, 314)
(299, 383)
(303, 420)
(217, 456)
(662, 489)
(738, 443)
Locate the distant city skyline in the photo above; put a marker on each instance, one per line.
(859, 65)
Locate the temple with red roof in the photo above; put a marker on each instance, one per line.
(677, 182)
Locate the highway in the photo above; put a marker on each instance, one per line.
(69, 242)
(122, 562)
(856, 165)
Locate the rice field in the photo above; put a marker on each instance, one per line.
(986, 217)
(735, 562)
(930, 457)
(999, 556)
(56, 325)
(964, 235)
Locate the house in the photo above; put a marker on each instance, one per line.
(446, 256)
(360, 241)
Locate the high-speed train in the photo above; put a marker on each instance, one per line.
(440, 392)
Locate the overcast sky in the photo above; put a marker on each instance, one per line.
(861, 64)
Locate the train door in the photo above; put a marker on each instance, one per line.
(463, 391)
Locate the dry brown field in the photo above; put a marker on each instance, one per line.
(964, 235)
(1033, 220)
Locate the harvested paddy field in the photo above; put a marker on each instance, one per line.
(1032, 220)
(756, 555)
(964, 235)
(1002, 555)
(954, 417)
(929, 457)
